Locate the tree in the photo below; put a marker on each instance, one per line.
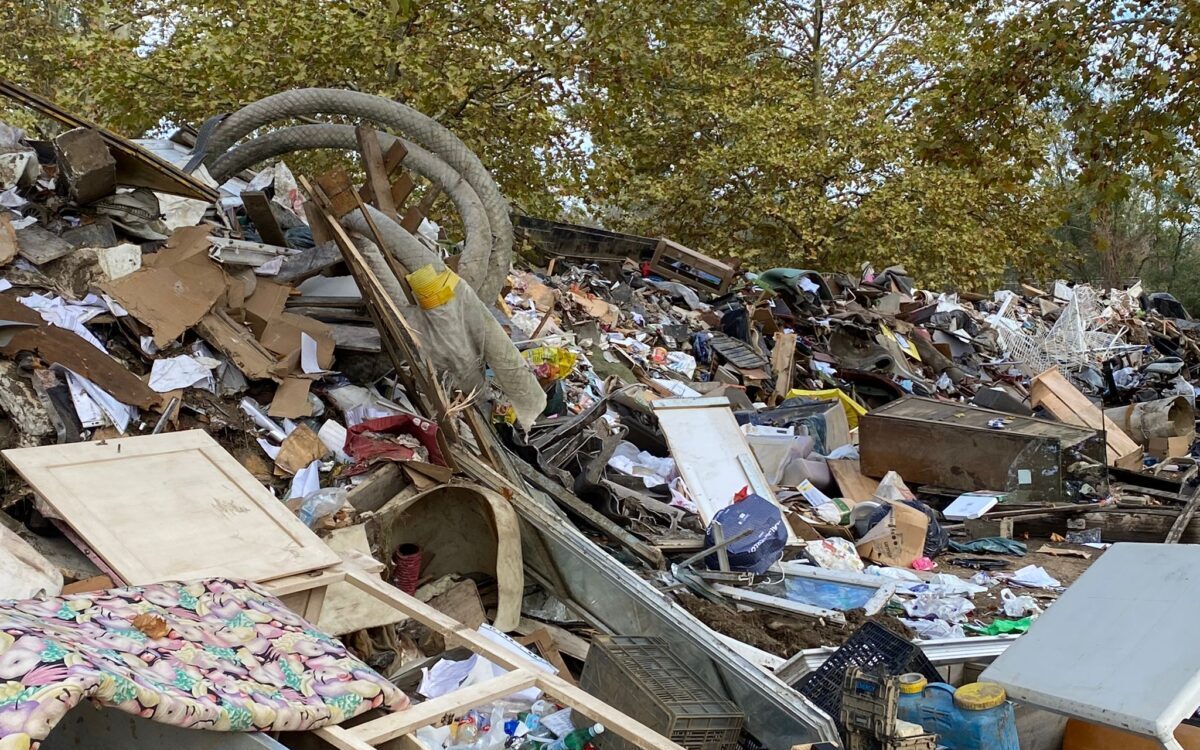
(804, 132)
(491, 71)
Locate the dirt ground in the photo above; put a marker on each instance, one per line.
(784, 636)
(780, 635)
(1065, 569)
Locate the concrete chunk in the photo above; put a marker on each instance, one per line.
(87, 164)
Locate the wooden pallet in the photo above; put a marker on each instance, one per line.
(400, 725)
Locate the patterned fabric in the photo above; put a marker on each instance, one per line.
(233, 658)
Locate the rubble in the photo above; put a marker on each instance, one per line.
(611, 434)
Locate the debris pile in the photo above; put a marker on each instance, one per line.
(612, 434)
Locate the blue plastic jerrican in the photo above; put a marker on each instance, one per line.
(957, 728)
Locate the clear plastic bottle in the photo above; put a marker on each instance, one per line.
(577, 739)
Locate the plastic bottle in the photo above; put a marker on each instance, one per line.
(977, 716)
(577, 739)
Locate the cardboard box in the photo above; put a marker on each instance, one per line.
(898, 539)
(1172, 447)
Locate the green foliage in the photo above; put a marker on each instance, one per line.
(962, 138)
(805, 134)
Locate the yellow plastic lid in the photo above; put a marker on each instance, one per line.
(979, 696)
(431, 287)
(912, 683)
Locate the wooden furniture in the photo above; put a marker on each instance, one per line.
(209, 515)
(523, 674)
(678, 263)
(952, 445)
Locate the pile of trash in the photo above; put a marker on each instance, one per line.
(785, 455)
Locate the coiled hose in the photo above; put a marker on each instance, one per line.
(417, 127)
(463, 334)
(477, 247)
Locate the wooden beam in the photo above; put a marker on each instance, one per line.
(393, 159)
(342, 739)
(456, 634)
(1185, 517)
(401, 189)
(258, 209)
(783, 361)
(377, 174)
(440, 710)
(413, 216)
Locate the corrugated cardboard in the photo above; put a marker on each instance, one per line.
(898, 539)
(175, 288)
(291, 399)
(282, 336)
(235, 341)
(1170, 447)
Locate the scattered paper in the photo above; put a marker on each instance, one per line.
(308, 355)
(94, 406)
(69, 315)
(306, 481)
(5, 285)
(174, 373)
(269, 448)
(1034, 577)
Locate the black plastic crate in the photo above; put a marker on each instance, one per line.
(872, 648)
(641, 677)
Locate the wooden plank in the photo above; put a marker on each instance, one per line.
(1052, 391)
(442, 709)
(258, 208)
(564, 640)
(338, 192)
(373, 165)
(168, 507)
(1185, 517)
(783, 362)
(342, 739)
(320, 234)
(401, 189)
(413, 216)
(393, 158)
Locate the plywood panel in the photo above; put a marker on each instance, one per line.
(1055, 393)
(711, 453)
(174, 506)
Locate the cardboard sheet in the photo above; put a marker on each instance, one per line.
(282, 336)
(291, 399)
(898, 539)
(237, 342)
(175, 288)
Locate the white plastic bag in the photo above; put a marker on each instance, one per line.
(1019, 606)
